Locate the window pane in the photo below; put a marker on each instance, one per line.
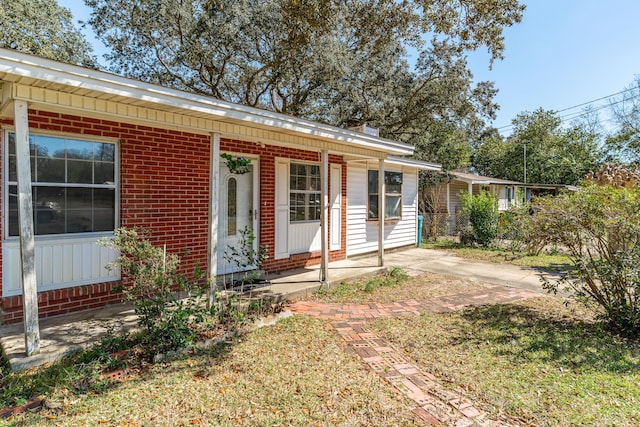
(79, 220)
(104, 204)
(79, 149)
(314, 206)
(79, 172)
(373, 181)
(13, 173)
(231, 207)
(393, 178)
(104, 152)
(104, 173)
(50, 170)
(79, 198)
(48, 210)
(49, 147)
(12, 143)
(373, 207)
(394, 189)
(12, 195)
(393, 206)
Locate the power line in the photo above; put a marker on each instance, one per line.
(583, 113)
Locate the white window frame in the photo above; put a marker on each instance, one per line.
(389, 195)
(6, 183)
(308, 193)
(62, 260)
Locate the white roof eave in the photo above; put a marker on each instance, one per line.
(418, 164)
(29, 66)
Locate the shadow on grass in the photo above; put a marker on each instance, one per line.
(524, 333)
(78, 376)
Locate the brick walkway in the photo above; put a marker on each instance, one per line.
(436, 404)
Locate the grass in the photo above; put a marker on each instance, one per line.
(547, 260)
(398, 286)
(540, 361)
(537, 361)
(294, 373)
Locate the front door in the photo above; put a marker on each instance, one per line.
(238, 212)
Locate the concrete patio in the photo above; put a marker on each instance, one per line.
(64, 334)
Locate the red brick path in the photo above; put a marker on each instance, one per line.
(436, 404)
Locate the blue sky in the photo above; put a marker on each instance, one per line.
(563, 53)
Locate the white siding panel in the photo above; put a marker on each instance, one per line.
(362, 235)
(304, 237)
(45, 267)
(76, 262)
(58, 273)
(60, 263)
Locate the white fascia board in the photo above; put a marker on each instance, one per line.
(418, 164)
(23, 65)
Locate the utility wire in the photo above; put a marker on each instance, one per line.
(583, 113)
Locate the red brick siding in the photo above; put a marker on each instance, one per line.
(164, 187)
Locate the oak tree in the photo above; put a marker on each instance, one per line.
(43, 28)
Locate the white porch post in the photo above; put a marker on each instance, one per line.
(324, 218)
(449, 219)
(214, 213)
(27, 241)
(470, 188)
(381, 212)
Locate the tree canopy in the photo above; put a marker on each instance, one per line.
(343, 62)
(43, 28)
(554, 155)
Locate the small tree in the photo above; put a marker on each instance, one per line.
(600, 228)
(482, 211)
(152, 289)
(432, 203)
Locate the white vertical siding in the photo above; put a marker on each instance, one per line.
(304, 237)
(362, 235)
(60, 263)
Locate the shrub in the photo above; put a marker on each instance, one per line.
(600, 228)
(482, 211)
(153, 286)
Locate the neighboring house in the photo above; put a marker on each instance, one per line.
(507, 193)
(106, 151)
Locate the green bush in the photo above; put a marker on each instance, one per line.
(599, 227)
(482, 211)
(154, 284)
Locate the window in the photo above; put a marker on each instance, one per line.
(304, 192)
(73, 185)
(510, 193)
(393, 195)
(232, 207)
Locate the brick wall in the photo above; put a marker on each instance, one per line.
(164, 187)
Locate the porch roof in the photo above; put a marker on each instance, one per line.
(77, 90)
(479, 179)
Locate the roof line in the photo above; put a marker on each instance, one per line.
(25, 65)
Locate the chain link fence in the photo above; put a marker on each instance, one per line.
(441, 224)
